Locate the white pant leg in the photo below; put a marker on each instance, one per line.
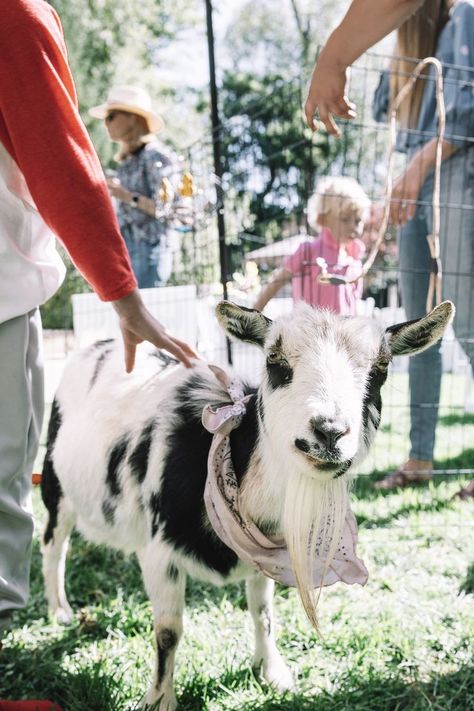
(21, 416)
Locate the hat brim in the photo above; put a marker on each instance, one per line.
(154, 121)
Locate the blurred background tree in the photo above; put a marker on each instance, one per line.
(271, 159)
(114, 42)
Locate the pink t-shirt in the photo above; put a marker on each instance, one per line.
(346, 262)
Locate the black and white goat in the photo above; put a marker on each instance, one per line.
(127, 459)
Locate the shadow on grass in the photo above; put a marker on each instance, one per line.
(464, 460)
(364, 490)
(420, 507)
(105, 590)
(374, 692)
(95, 576)
(382, 692)
(200, 691)
(454, 418)
(36, 673)
(467, 585)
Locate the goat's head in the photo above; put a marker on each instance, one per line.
(323, 373)
(319, 409)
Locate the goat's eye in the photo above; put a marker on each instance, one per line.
(279, 370)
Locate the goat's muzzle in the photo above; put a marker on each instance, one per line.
(324, 460)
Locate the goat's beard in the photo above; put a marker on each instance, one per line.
(313, 520)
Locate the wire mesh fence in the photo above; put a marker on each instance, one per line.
(271, 165)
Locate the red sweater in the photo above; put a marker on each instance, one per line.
(41, 128)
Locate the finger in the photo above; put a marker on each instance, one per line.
(345, 113)
(350, 104)
(178, 352)
(186, 348)
(344, 108)
(331, 126)
(402, 218)
(130, 351)
(309, 110)
(395, 207)
(341, 113)
(411, 210)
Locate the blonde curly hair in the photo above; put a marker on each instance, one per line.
(337, 195)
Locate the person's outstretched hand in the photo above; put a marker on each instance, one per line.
(137, 325)
(327, 96)
(364, 24)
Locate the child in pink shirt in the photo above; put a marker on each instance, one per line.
(338, 208)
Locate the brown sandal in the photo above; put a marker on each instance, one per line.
(401, 478)
(466, 492)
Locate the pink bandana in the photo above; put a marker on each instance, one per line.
(221, 496)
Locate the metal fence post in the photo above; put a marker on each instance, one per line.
(218, 170)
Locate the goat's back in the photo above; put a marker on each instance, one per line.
(113, 433)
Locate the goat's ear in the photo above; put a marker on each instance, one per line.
(244, 324)
(415, 336)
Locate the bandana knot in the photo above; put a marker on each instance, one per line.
(226, 418)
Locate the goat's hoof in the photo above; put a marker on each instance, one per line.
(160, 700)
(276, 673)
(63, 615)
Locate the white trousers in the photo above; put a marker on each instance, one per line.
(21, 416)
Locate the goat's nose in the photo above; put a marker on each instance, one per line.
(327, 433)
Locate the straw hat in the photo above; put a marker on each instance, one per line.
(133, 100)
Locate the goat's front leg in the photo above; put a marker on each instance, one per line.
(165, 585)
(267, 657)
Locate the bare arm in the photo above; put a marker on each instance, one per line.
(365, 23)
(280, 277)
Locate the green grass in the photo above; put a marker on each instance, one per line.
(404, 642)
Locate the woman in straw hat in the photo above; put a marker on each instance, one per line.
(143, 170)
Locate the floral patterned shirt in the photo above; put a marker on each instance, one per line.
(142, 172)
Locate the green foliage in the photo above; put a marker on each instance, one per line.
(271, 158)
(282, 40)
(57, 311)
(114, 42)
(268, 152)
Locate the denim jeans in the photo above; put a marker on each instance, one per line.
(151, 264)
(457, 256)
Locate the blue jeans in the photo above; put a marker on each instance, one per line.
(151, 264)
(457, 256)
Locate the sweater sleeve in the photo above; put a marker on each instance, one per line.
(41, 128)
